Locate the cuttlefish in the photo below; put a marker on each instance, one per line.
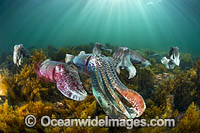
(125, 58)
(65, 76)
(174, 58)
(113, 96)
(18, 54)
(110, 92)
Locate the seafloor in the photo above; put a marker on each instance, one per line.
(167, 93)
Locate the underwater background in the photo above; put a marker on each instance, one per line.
(49, 29)
(154, 24)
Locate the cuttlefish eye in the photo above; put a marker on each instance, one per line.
(59, 68)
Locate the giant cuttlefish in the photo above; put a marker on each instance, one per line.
(113, 96)
(125, 58)
(109, 91)
(174, 58)
(65, 76)
(18, 54)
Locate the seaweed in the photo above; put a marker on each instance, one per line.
(191, 120)
(167, 93)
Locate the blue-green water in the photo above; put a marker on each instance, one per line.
(154, 24)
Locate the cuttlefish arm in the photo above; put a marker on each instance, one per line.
(123, 60)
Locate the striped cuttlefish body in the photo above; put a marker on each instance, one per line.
(113, 96)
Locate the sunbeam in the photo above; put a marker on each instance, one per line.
(136, 23)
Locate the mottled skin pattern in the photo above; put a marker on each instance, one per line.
(65, 76)
(110, 92)
(108, 89)
(18, 54)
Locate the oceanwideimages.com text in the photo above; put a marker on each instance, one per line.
(47, 121)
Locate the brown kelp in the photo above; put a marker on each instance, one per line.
(167, 93)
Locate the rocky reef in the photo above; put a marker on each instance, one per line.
(167, 93)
